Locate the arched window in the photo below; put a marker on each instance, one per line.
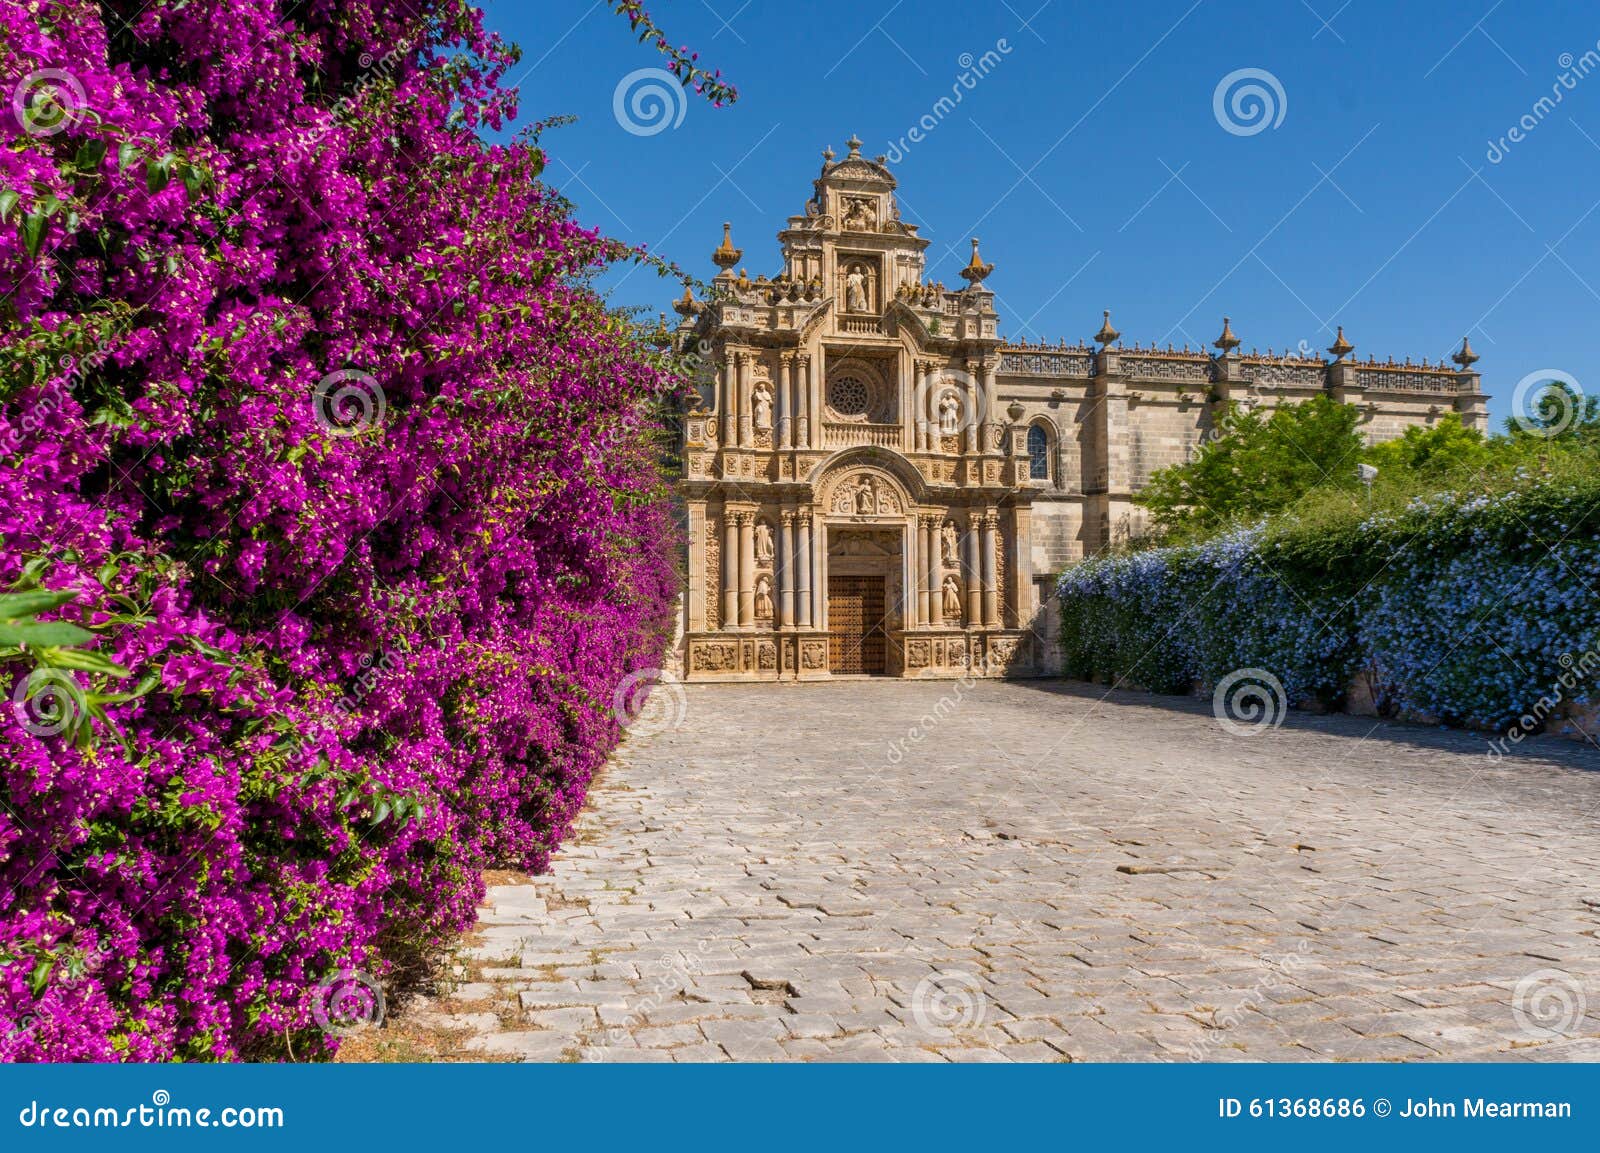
(1038, 452)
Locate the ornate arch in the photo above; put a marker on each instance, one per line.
(866, 481)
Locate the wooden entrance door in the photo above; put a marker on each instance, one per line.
(857, 642)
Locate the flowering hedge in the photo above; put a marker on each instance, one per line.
(344, 484)
(1467, 608)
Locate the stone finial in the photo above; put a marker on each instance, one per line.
(1341, 347)
(854, 145)
(726, 255)
(686, 305)
(828, 154)
(1107, 335)
(1466, 358)
(976, 270)
(1227, 342)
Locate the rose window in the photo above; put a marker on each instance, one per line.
(848, 396)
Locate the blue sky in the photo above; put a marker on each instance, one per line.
(1091, 160)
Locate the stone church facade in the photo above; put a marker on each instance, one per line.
(875, 482)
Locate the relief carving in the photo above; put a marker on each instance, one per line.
(715, 658)
(863, 495)
(814, 655)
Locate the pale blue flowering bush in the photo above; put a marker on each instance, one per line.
(1465, 608)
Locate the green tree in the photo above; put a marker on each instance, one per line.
(1445, 447)
(1255, 465)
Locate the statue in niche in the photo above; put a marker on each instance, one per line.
(952, 598)
(855, 290)
(763, 597)
(761, 403)
(952, 544)
(949, 414)
(763, 542)
(866, 496)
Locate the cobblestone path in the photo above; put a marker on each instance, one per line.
(1031, 872)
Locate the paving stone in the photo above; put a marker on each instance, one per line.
(1367, 894)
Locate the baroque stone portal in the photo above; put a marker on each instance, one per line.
(876, 482)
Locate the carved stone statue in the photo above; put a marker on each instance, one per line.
(764, 597)
(866, 497)
(763, 542)
(859, 215)
(952, 597)
(855, 290)
(761, 402)
(952, 545)
(949, 414)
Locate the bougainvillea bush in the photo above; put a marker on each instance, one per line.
(1477, 610)
(330, 515)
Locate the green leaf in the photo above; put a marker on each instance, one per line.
(8, 201)
(157, 173)
(40, 634)
(33, 226)
(90, 154)
(34, 602)
(85, 659)
(41, 975)
(127, 153)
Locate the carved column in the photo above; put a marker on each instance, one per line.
(977, 415)
(990, 398)
(819, 574)
(803, 568)
(727, 375)
(935, 573)
(746, 425)
(919, 405)
(919, 566)
(730, 569)
(815, 369)
(784, 436)
(802, 399)
(974, 571)
(991, 593)
(747, 569)
(785, 572)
